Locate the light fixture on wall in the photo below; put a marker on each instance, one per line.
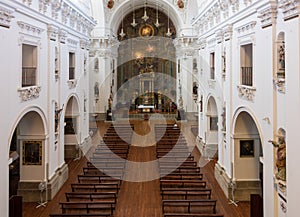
(145, 17)
(168, 32)
(157, 24)
(133, 24)
(122, 34)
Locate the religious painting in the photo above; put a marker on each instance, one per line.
(32, 153)
(247, 148)
(146, 30)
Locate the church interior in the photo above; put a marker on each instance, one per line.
(152, 108)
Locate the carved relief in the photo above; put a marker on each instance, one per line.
(28, 93)
(246, 92)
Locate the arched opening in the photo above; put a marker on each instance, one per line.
(211, 146)
(27, 154)
(142, 53)
(71, 130)
(247, 167)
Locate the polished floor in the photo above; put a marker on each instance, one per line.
(141, 198)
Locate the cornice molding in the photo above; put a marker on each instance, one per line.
(28, 28)
(247, 28)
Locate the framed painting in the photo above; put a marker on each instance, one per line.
(247, 148)
(32, 153)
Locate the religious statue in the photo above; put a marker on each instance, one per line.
(282, 57)
(57, 116)
(280, 155)
(96, 89)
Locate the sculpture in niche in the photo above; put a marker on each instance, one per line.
(281, 57)
(96, 89)
(280, 154)
(224, 119)
(96, 66)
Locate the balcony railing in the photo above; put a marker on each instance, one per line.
(28, 76)
(71, 73)
(247, 77)
(212, 73)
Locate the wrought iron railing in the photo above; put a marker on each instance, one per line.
(28, 76)
(247, 76)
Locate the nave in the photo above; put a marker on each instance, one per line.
(139, 198)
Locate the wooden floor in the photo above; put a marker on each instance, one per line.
(140, 199)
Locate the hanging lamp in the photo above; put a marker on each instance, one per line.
(145, 17)
(133, 24)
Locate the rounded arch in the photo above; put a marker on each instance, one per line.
(22, 114)
(74, 107)
(127, 7)
(211, 105)
(251, 114)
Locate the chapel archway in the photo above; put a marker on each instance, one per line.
(247, 168)
(211, 147)
(27, 154)
(71, 130)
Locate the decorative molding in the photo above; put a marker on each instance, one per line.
(62, 36)
(52, 32)
(72, 83)
(290, 8)
(268, 16)
(5, 17)
(246, 92)
(84, 44)
(280, 83)
(185, 42)
(56, 6)
(72, 42)
(43, 6)
(26, 27)
(202, 43)
(247, 28)
(212, 42)
(28, 2)
(28, 93)
(219, 36)
(211, 83)
(65, 13)
(228, 31)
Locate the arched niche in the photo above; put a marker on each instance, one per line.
(247, 170)
(211, 128)
(71, 129)
(27, 154)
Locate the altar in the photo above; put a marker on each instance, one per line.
(146, 108)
